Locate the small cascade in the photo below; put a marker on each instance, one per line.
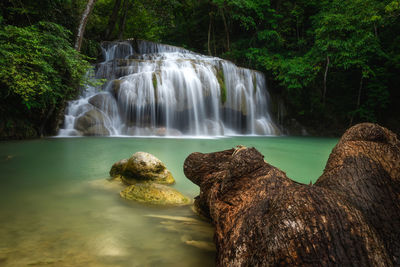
(163, 90)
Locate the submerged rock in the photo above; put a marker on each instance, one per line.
(144, 174)
(349, 217)
(142, 167)
(153, 193)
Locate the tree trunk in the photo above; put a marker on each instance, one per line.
(45, 120)
(122, 22)
(113, 19)
(209, 36)
(359, 91)
(325, 77)
(226, 28)
(214, 42)
(82, 24)
(350, 217)
(358, 98)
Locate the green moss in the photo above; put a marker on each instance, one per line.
(154, 194)
(255, 82)
(222, 86)
(155, 85)
(154, 78)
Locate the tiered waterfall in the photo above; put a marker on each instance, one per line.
(160, 90)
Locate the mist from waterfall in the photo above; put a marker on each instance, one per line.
(162, 90)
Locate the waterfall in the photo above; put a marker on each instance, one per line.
(163, 90)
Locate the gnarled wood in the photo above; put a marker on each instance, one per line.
(350, 217)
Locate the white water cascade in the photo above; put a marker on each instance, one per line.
(162, 90)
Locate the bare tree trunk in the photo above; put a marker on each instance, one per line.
(349, 217)
(325, 77)
(226, 28)
(209, 36)
(113, 19)
(82, 24)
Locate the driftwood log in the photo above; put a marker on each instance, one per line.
(349, 217)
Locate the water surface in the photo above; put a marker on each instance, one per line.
(55, 211)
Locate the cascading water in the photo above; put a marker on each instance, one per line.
(165, 90)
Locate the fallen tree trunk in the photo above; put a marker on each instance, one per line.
(350, 217)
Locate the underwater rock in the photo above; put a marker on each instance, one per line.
(113, 185)
(351, 216)
(201, 244)
(153, 193)
(141, 167)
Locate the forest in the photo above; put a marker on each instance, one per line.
(330, 64)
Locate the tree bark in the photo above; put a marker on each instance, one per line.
(350, 217)
(82, 24)
(226, 29)
(358, 98)
(122, 22)
(113, 19)
(325, 78)
(209, 35)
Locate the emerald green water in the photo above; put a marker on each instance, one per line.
(56, 211)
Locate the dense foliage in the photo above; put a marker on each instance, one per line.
(331, 63)
(39, 71)
(334, 63)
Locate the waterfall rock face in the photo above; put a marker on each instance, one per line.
(166, 90)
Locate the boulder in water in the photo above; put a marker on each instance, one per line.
(153, 193)
(96, 130)
(91, 123)
(118, 167)
(103, 102)
(141, 167)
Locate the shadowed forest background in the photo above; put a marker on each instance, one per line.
(329, 64)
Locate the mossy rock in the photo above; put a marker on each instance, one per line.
(118, 167)
(222, 85)
(142, 167)
(161, 178)
(153, 193)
